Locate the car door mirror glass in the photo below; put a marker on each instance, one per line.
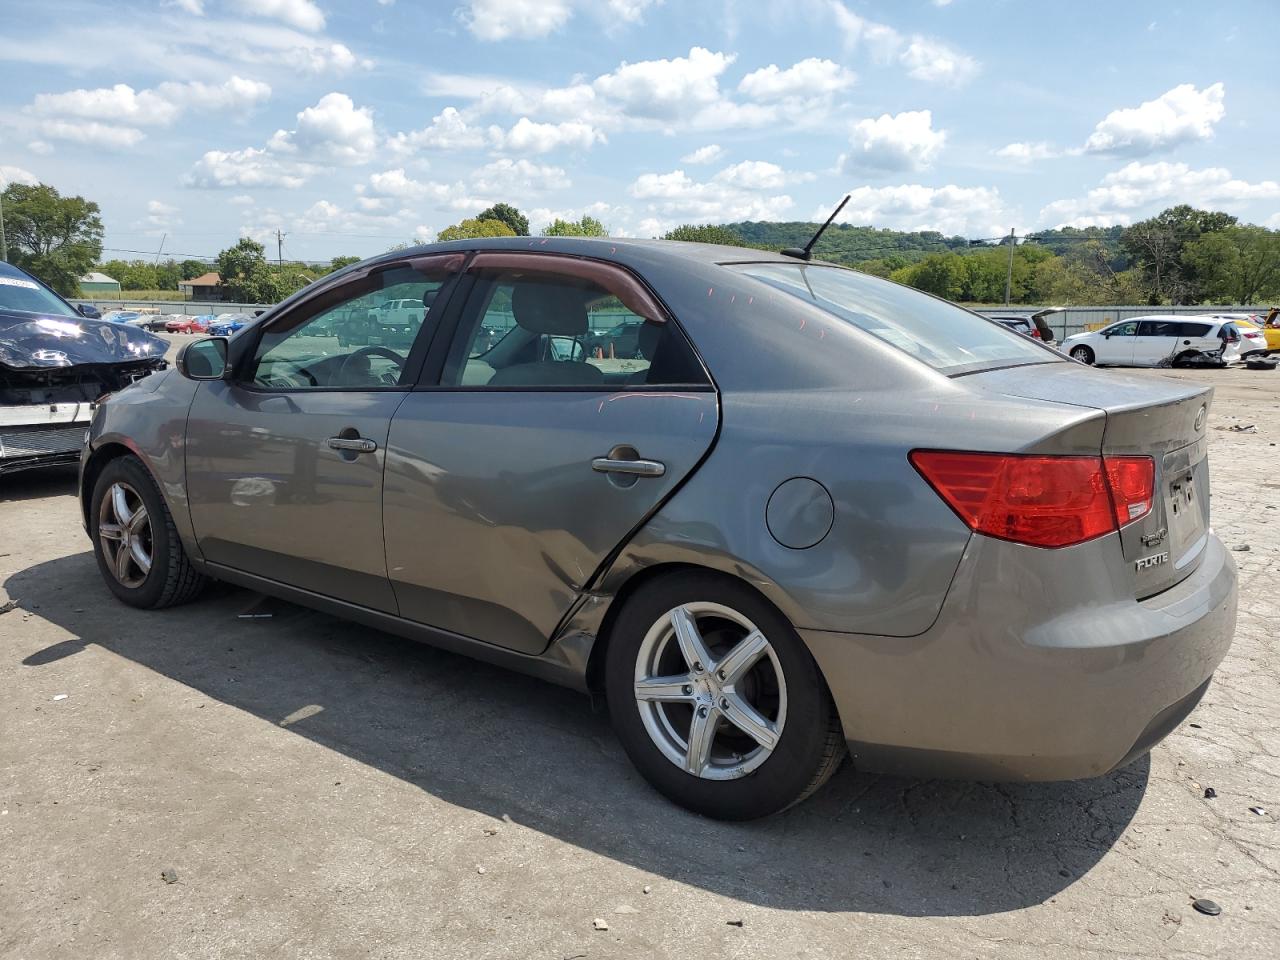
(204, 359)
(89, 311)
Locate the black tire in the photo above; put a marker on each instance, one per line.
(1083, 354)
(811, 744)
(172, 579)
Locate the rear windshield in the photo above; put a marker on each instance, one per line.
(944, 336)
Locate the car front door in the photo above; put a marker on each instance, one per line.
(523, 461)
(285, 458)
(1116, 344)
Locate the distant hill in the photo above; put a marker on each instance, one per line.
(843, 243)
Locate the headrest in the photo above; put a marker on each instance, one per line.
(550, 309)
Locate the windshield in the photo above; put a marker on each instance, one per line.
(947, 338)
(23, 295)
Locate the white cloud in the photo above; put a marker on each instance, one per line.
(242, 168)
(40, 147)
(808, 78)
(193, 7)
(302, 14)
(506, 175)
(676, 198)
(10, 174)
(1128, 193)
(526, 136)
(92, 133)
(708, 154)
(448, 130)
(242, 200)
(523, 19)
(755, 175)
(159, 107)
(161, 215)
(335, 130)
(666, 89)
(923, 57)
(1180, 115)
(952, 210)
(904, 141)
(935, 62)
(396, 183)
(1027, 152)
(493, 20)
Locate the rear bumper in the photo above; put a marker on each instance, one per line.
(1035, 668)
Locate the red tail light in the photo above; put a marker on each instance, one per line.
(1035, 332)
(1040, 501)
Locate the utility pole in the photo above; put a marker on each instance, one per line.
(279, 247)
(1008, 279)
(4, 242)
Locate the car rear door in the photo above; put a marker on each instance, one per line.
(1156, 340)
(520, 464)
(285, 459)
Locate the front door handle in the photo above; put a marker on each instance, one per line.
(353, 444)
(635, 468)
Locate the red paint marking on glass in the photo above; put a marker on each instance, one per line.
(802, 323)
(750, 301)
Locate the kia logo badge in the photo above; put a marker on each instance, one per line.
(1199, 425)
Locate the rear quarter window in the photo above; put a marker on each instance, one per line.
(933, 331)
(1195, 330)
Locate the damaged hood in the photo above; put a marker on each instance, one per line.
(33, 342)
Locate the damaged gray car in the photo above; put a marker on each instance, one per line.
(55, 363)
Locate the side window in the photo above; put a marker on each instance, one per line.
(360, 337)
(1123, 330)
(1194, 330)
(1158, 328)
(528, 329)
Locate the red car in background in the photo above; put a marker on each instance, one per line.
(187, 325)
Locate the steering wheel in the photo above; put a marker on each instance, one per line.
(367, 352)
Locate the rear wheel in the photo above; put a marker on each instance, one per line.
(135, 542)
(1082, 353)
(717, 701)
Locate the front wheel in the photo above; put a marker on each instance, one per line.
(716, 700)
(139, 553)
(1082, 353)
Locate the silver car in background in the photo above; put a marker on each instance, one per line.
(809, 513)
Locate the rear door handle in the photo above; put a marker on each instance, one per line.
(354, 444)
(635, 468)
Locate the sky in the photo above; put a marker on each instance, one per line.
(354, 125)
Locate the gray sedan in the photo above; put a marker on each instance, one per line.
(813, 513)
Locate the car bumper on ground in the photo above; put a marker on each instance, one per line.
(1032, 672)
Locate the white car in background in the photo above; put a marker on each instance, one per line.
(1253, 340)
(1154, 341)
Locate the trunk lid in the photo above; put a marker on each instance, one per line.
(1162, 418)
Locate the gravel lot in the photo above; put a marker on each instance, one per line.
(324, 790)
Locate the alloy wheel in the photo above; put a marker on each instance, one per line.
(710, 691)
(124, 530)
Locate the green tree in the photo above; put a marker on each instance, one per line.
(168, 273)
(245, 274)
(138, 275)
(476, 228)
(190, 269)
(586, 227)
(337, 263)
(505, 213)
(1156, 246)
(1236, 265)
(56, 238)
(706, 233)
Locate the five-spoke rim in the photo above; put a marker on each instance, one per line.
(124, 529)
(710, 691)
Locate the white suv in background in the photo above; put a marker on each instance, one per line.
(1155, 340)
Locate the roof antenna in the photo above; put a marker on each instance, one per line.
(806, 253)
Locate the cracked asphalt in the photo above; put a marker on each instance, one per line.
(324, 790)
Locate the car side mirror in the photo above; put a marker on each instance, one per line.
(204, 359)
(89, 311)
(1106, 336)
